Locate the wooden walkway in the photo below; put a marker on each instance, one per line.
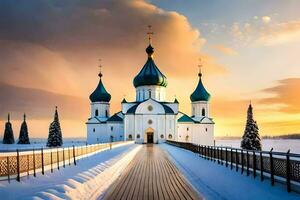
(151, 175)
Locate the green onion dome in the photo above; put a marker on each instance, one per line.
(100, 94)
(200, 93)
(150, 74)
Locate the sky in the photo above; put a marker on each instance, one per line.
(50, 51)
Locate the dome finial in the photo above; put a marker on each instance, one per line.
(100, 66)
(150, 33)
(200, 66)
(24, 117)
(8, 117)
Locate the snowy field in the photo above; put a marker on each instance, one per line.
(39, 143)
(88, 180)
(282, 145)
(215, 181)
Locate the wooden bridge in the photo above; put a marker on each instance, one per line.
(151, 175)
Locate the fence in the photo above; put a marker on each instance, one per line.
(278, 166)
(14, 165)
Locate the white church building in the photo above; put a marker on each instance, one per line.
(150, 118)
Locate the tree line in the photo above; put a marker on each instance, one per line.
(55, 138)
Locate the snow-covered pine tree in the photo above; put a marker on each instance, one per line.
(251, 139)
(8, 133)
(55, 135)
(23, 137)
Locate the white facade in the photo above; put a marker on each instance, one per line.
(150, 119)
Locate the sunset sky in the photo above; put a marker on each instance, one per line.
(49, 53)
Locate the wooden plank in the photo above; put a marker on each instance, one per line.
(151, 175)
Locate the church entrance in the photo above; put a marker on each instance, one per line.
(150, 137)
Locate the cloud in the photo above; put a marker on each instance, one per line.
(39, 104)
(280, 33)
(225, 50)
(266, 19)
(285, 94)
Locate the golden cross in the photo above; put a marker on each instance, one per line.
(100, 66)
(150, 33)
(200, 65)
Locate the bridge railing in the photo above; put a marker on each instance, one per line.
(282, 167)
(18, 163)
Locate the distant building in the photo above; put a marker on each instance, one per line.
(150, 118)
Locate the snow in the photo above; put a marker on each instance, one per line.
(88, 180)
(39, 143)
(215, 181)
(282, 145)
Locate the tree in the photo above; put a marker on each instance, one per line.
(23, 137)
(251, 139)
(8, 133)
(55, 135)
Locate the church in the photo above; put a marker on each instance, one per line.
(150, 118)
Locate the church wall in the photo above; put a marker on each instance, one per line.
(101, 107)
(97, 133)
(129, 127)
(157, 92)
(116, 130)
(203, 134)
(197, 108)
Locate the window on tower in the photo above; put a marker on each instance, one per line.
(96, 112)
(203, 112)
(106, 113)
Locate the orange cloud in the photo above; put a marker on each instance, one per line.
(285, 93)
(226, 50)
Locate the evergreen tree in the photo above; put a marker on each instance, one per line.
(251, 139)
(8, 133)
(23, 137)
(55, 135)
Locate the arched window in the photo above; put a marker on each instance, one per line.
(170, 136)
(138, 136)
(162, 136)
(149, 93)
(130, 137)
(203, 112)
(96, 112)
(106, 113)
(94, 130)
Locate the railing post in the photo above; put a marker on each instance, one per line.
(261, 167)
(69, 155)
(247, 159)
(218, 155)
(18, 166)
(221, 156)
(242, 161)
(254, 164)
(43, 168)
(288, 173)
(51, 161)
(231, 160)
(64, 162)
(226, 158)
(272, 168)
(8, 170)
(27, 165)
(33, 155)
(57, 157)
(74, 156)
(236, 160)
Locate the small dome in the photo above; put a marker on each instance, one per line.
(200, 93)
(150, 74)
(100, 94)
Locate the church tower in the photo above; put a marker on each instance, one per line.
(100, 98)
(200, 100)
(150, 82)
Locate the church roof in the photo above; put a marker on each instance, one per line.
(100, 94)
(115, 118)
(167, 109)
(200, 93)
(185, 118)
(150, 74)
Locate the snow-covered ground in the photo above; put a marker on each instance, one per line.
(215, 181)
(38, 143)
(282, 145)
(88, 180)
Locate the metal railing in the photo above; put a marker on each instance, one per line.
(277, 166)
(15, 164)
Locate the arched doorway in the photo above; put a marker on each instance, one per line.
(149, 136)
